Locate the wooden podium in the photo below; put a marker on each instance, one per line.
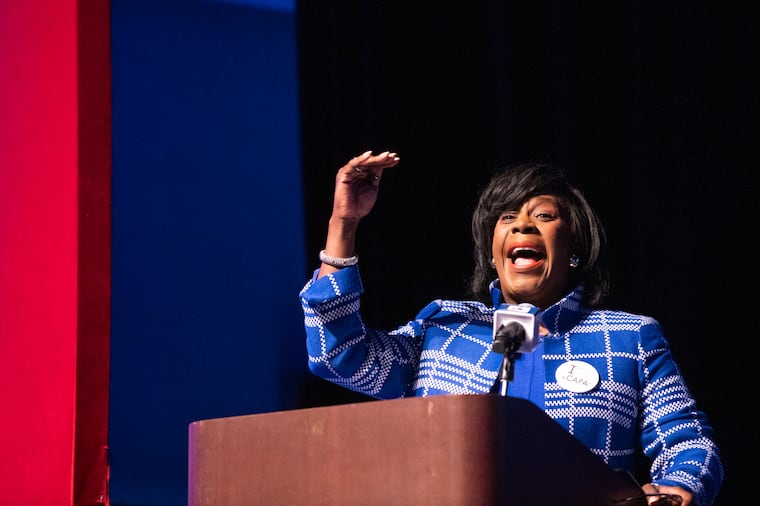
(441, 450)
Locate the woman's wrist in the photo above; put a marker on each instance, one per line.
(341, 238)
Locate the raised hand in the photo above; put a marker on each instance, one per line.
(356, 187)
(357, 184)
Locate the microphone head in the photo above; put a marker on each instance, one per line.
(508, 338)
(524, 315)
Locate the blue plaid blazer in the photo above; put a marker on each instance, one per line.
(641, 402)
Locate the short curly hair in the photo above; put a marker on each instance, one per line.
(509, 188)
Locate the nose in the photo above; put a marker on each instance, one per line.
(523, 224)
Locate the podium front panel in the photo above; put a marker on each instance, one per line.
(440, 450)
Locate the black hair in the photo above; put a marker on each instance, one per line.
(508, 189)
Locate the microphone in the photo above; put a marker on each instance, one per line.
(509, 338)
(515, 329)
(515, 324)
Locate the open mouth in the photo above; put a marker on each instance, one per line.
(522, 256)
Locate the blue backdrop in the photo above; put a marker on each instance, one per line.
(208, 239)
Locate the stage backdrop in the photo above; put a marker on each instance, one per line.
(208, 239)
(651, 108)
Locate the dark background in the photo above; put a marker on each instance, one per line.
(230, 119)
(651, 108)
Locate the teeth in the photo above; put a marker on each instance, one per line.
(519, 253)
(521, 249)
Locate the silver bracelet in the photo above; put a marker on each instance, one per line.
(337, 261)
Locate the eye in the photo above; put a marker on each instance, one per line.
(508, 216)
(546, 216)
(546, 213)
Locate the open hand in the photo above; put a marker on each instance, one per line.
(357, 184)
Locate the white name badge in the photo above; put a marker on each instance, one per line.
(577, 376)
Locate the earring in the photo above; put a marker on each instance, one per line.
(574, 261)
(493, 262)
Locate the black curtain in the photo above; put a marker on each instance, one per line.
(650, 107)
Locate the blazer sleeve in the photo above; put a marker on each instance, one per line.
(675, 435)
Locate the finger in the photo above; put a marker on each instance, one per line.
(356, 161)
(648, 488)
(368, 158)
(368, 161)
(361, 158)
(383, 160)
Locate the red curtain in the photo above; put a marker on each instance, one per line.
(54, 251)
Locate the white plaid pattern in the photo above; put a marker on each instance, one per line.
(641, 400)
